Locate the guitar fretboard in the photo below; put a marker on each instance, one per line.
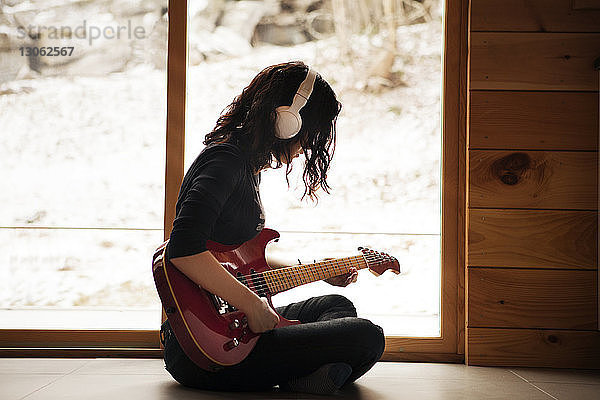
(282, 279)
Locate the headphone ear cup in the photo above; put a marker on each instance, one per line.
(287, 122)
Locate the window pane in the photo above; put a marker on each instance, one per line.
(386, 170)
(404, 305)
(82, 140)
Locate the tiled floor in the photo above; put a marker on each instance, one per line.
(132, 379)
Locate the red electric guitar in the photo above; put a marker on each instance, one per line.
(213, 333)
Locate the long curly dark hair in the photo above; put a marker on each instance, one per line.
(249, 121)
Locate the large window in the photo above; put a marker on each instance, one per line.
(384, 62)
(82, 139)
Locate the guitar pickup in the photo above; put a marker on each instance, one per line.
(221, 306)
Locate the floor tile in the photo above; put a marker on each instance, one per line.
(139, 387)
(559, 375)
(571, 391)
(90, 387)
(51, 366)
(377, 387)
(16, 386)
(126, 366)
(441, 371)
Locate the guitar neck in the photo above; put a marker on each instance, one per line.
(282, 279)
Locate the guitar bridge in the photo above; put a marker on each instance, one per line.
(221, 305)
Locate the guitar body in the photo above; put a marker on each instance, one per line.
(210, 332)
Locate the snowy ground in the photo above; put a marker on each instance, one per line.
(89, 152)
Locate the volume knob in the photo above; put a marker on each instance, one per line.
(234, 324)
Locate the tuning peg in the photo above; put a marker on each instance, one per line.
(360, 248)
(299, 262)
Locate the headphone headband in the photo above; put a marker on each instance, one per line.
(306, 87)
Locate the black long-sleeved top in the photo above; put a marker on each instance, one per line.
(218, 200)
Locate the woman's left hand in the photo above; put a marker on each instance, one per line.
(344, 279)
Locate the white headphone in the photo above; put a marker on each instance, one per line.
(288, 121)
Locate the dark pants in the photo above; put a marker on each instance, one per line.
(330, 333)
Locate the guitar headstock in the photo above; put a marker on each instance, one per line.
(379, 262)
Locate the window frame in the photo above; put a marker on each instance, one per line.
(449, 347)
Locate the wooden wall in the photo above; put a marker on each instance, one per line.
(532, 219)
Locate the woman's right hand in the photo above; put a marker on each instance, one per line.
(261, 317)
(204, 270)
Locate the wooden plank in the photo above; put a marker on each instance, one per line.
(454, 171)
(534, 61)
(534, 16)
(533, 239)
(176, 99)
(70, 338)
(533, 179)
(447, 358)
(81, 352)
(518, 298)
(586, 5)
(177, 58)
(534, 120)
(533, 348)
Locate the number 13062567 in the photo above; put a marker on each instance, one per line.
(46, 51)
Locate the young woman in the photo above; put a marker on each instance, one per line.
(219, 200)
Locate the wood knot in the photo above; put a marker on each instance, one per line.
(509, 169)
(552, 339)
(509, 178)
(501, 302)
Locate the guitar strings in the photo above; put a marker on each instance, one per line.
(253, 277)
(329, 263)
(283, 282)
(292, 278)
(308, 268)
